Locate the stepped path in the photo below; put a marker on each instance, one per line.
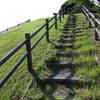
(74, 54)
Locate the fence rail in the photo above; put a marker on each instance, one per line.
(96, 22)
(14, 26)
(29, 48)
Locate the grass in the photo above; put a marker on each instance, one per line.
(18, 82)
(93, 72)
(46, 52)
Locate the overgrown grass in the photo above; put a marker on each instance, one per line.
(87, 71)
(46, 52)
(18, 82)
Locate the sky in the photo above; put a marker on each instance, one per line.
(95, 2)
(13, 12)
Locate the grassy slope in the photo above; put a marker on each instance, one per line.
(45, 91)
(17, 84)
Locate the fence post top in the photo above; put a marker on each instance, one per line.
(54, 13)
(46, 20)
(27, 34)
(96, 16)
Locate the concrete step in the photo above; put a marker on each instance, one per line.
(73, 32)
(65, 63)
(68, 40)
(70, 46)
(62, 46)
(67, 29)
(65, 76)
(72, 28)
(65, 36)
(70, 24)
(72, 53)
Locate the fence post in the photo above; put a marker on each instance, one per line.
(82, 10)
(60, 15)
(63, 12)
(64, 9)
(89, 21)
(96, 26)
(28, 48)
(86, 15)
(47, 28)
(55, 21)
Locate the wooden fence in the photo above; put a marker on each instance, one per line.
(13, 27)
(90, 17)
(29, 48)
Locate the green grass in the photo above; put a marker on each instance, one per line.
(46, 52)
(93, 72)
(18, 82)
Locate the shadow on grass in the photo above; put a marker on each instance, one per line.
(42, 84)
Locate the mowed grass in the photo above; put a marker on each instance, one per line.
(18, 82)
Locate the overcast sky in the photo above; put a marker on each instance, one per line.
(13, 12)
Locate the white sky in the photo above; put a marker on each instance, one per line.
(13, 12)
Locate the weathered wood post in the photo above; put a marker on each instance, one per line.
(63, 12)
(83, 10)
(60, 15)
(28, 48)
(89, 20)
(55, 20)
(47, 29)
(86, 14)
(96, 26)
(64, 9)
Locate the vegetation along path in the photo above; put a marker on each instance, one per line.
(64, 68)
(74, 72)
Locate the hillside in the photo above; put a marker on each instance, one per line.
(23, 84)
(73, 72)
(65, 68)
(17, 84)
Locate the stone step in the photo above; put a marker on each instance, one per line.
(65, 63)
(62, 46)
(74, 29)
(70, 46)
(65, 36)
(65, 76)
(68, 40)
(73, 79)
(62, 79)
(70, 24)
(73, 32)
(72, 53)
(67, 29)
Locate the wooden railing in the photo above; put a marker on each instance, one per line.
(90, 17)
(29, 48)
(14, 27)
